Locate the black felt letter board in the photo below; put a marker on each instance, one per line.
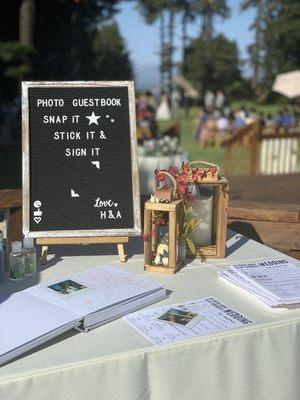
(80, 159)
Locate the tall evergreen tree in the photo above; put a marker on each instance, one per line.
(286, 33)
(256, 49)
(225, 71)
(206, 11)
(111, 57)
(60, 32)
(64, 34)
(164, 10)
(276, 45)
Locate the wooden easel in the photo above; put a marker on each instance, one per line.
(45, 242)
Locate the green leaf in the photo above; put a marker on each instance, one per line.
(191, 245)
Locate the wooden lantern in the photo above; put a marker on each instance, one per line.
(210, 204)
(172, 212)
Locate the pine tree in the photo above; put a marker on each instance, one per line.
(164, 10)
(276, 46)
(112, 60)
(225, 71)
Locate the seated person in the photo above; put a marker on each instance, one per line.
(237, 123)
(222, 125)
(208, 131)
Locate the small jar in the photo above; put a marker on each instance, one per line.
(30, 256)
(16, 262)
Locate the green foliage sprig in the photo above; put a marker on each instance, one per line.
(187, 226)
(14, 56)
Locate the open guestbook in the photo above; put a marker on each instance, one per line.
(84, 301)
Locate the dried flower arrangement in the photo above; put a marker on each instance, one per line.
(184, 178)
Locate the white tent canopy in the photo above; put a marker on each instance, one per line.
(288, 84)
(184, 84)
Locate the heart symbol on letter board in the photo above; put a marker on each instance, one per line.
(37, 219)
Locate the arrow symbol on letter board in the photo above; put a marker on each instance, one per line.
(74, 194)
(96, 163)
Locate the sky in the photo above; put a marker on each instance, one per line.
(142, 40)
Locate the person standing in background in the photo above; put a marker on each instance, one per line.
(222, 125)
(219, 100)
(209, 99)
(163, 111)
(175, 101)
(151, 100)
(241, 113)
(186, 103)
(208, 131)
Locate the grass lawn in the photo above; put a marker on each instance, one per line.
(189, 144)
(264, 108)
(214, 154)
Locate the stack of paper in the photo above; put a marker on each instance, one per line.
(275, 282)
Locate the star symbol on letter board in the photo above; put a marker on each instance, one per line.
(93, 119)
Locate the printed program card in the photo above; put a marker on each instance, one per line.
(186, 320)
(276, 278)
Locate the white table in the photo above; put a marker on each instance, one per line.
(147, 166)
(115, 362)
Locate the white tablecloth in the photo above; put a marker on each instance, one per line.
(259, 362)
(147, 166)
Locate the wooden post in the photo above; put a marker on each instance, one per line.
(228, 156)
(223, 196)
(122, 255)
(254, 140)
(44, 253)
(172, 239)
(147, 242)
(16, 223)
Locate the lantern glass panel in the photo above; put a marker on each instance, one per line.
(160, 238)
(205, 209)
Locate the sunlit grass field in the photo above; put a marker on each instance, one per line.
(213, 154)
(189, 143)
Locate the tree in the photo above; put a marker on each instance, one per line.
(286, 30)
(206, 10)
(12, 56)
(188, 14)
(256, 49)
(224, 71)
(111, 57)
(26, 22)
(55, 39)
(152, 10)
(64, 34)
(276, 45)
